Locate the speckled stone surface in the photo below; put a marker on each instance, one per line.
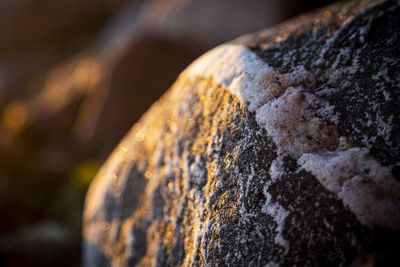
(279, 148)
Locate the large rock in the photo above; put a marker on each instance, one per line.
(71, 70)
(279, 148)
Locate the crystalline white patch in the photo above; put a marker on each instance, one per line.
(276, 170)
(238, 69)
(293, 125)
(297, 121)
(384, 128)
(279, 214)
(366, 187)
(270, 95)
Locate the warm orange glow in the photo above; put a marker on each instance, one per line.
(148, 174)
(15, 116)
(327, 13)
(146, 138)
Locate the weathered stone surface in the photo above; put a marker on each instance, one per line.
(280, 148)
(74, 76)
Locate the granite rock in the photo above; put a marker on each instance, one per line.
(279, 148)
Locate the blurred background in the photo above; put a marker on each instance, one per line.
(75, 75)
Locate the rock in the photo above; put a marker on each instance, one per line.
(279, 148)
(74, 76)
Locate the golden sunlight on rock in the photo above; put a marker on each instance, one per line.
(206, 166)
(279, 148)
(148, 174)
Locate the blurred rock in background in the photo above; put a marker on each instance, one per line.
(74, 77)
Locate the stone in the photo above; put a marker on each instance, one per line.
(279, 148)
(74, 77)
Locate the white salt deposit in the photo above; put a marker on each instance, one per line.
(279, 214)
(365, 186)
(297, 121)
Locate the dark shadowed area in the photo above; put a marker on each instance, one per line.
(74, 77)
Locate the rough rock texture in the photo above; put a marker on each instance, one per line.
(280, 148)
(71, 70)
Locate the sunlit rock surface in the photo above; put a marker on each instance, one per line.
(74, 76)
(279, 148)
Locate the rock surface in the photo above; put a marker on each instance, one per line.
(71, 70)
(279, 148)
